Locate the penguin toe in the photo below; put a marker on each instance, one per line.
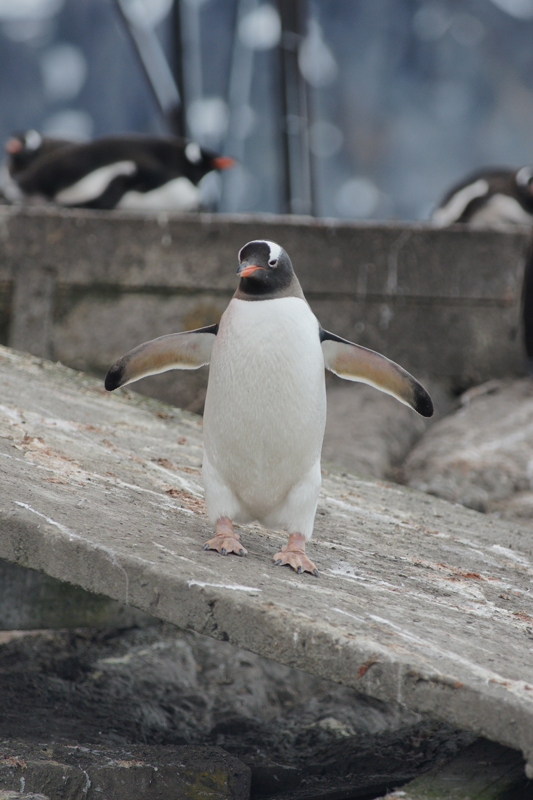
(226, 544)
(295, 558)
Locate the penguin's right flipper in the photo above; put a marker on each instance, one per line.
(356, 363)
(187, 350)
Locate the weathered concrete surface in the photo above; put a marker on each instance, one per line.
(484, 771)
(31, 600)
(482, 455)
(419, 601)
(83, 287)
(97, 773)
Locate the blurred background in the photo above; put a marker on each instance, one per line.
(358, 109)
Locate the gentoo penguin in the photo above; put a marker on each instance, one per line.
(489, 197)
(123, 171)
(265, 409)
(22, 149)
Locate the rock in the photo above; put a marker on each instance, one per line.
(485, 771)
(136, 772)
(482, 455)
(161, 686)
(12, 795)
(371, 433)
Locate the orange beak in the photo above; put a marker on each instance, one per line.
(13, 146)
(248, 270)
(223, 162)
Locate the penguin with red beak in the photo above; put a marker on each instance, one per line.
(265, 409)
(125, 171)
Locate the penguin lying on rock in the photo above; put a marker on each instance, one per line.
(128, 171)
(489, 197)
(265, 409)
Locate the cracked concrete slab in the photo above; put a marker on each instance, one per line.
(419, 601)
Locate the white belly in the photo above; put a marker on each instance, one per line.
(265, 408)
(501, 210)
(94, 184)
(179, 194)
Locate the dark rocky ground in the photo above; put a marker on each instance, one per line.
(302, 737)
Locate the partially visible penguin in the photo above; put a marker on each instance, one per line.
(489, 197)
(265, 409)
(128, 171)
(22, 149)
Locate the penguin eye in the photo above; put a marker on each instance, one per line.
(273, 262)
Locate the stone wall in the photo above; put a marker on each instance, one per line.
(83, 287)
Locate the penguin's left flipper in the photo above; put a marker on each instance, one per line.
(356, 363)
(187, 350)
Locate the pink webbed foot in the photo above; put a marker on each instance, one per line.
(293, 554)
(226, 539)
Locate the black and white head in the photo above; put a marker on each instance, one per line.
(266, 272)
(24, 147)
(524, 181)
(197, 161)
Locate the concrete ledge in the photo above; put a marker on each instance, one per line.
(419, 601)
(30, 600)
(83, 287)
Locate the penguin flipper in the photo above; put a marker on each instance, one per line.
(187, 350)
(356, 363)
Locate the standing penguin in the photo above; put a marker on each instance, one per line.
(489, 197)
(265, 409)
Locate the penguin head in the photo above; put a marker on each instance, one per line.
(265, 269)
(197, 161)
(24, 147)
(524, 181)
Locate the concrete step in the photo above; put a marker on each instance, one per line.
(419, 601)
(31, 600)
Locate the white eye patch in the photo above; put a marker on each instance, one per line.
(193, 153)
(33, 140)
(524, 176)
(275, 252)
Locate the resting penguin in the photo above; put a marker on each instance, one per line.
(22, 149)
(489, 197)
(265, 409)
(128, 171)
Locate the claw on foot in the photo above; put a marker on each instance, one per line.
(226, 539)
(293, 554)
